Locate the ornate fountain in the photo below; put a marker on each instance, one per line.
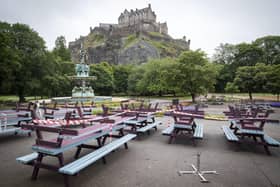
(82, 91)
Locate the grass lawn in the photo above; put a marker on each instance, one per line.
(14, 98)
(264, 96)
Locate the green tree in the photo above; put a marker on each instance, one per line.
(9, 59)
(270, 46)
(197, 75)
(154, 80)
(28, 52)
(245, 79)
(135, 86)
(247, 55)
(60, 50)
(225, 55)
(231, 88)
(121, 73)
(104, 84)
(273, 80)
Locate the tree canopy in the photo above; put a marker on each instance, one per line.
(197, 75)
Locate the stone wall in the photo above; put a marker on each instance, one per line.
(134, 17)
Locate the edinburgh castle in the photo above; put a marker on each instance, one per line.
(136, 38)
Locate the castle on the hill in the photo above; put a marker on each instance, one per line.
(136, 38)
(139, 20)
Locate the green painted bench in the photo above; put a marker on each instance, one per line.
(27, 159)
(198, 131)
(270, 141)
(83, 162)
(168, 131)
(229, 134)
(148, 127)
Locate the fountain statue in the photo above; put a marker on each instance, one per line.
(82, 91)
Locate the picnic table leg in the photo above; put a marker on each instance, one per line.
(61, 163)
(104, 140)
(172, 136)
(153, 119)
(37, 166)
(60, 159)
(255, 139)
(265, 146)
(79, 148)
(100, 144)
(122, 134)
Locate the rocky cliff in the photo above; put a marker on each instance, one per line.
(124, 49)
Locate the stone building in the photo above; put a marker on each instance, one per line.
(139, 20)
(136, 38)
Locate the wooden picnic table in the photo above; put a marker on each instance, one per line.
(69, 138)
(10, 123)
(240, 129)
(184, 122)
(143, 122)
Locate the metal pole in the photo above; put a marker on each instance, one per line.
(198, 162)
(196, 170)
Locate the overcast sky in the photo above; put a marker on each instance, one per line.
(207, 23)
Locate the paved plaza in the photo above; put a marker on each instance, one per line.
(150, 161)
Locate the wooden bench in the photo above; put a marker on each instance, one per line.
(148, 127)
(13, 130)
(27, 159)
(83, 162)
(229, 134)
(270, 141)
(168, 131)
(198, 131)
(12, 126)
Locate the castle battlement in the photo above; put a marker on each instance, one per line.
(139, 19)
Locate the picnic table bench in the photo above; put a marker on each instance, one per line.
(11, 124)
(143, 122)
(194, 127)
(75, 138)
(238, 130)
(83, 162)
(148, 127)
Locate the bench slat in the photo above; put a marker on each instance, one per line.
(198, 132)
(168, 131)
(27, 158)
(147, 127)
(269, 140)
(9, 130)
(229, 134)
(83, 162)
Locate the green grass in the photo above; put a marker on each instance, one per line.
(14, 98)
(130, 40)
(94, 40)
(161, 97)
(164, 48)
(230, 96)
(157, 34)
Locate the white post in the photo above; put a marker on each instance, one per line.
(196, 170)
